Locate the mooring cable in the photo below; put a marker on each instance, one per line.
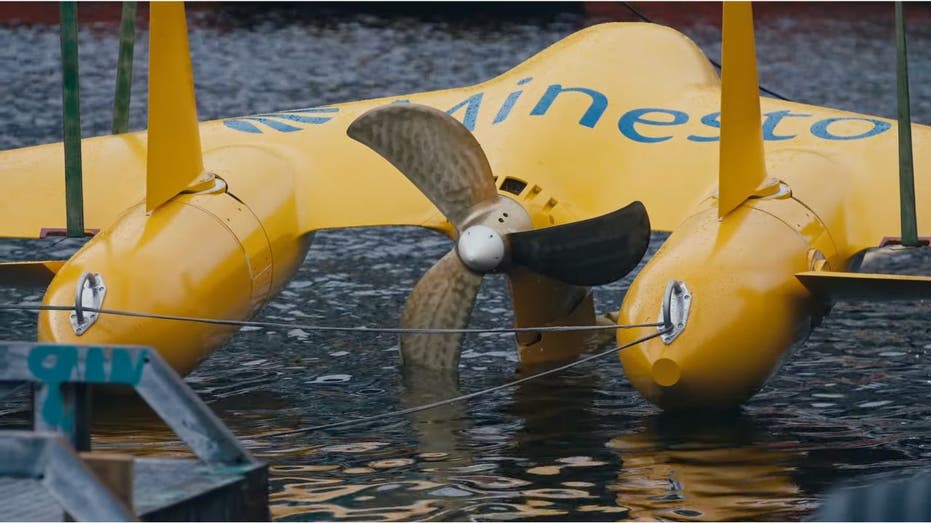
(419, 408)
(35, 307)
(463, 397)
(712, 60)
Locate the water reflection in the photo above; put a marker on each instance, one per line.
(441, 431)
(715, 469)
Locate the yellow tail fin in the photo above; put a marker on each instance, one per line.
(174, 155)
(742, 168)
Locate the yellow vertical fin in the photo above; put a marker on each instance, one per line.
(742, 168)
(174, 156)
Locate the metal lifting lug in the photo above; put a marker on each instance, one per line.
(89, 293)
(674, 313)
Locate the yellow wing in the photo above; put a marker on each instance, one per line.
(555, 98)
(614, 113)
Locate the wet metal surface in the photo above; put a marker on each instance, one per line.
(852, 403)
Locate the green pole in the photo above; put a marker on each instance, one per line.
(124, 69)
(906, 171)
(71, 108)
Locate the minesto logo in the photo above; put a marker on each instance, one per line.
(642, 125)
(284, 121)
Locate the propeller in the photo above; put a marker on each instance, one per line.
(546, 267)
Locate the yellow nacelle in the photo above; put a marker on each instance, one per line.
(744, 314)
(207, 254)
(747, 309)
(139, 263)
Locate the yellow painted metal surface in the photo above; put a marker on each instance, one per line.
(204, 255)
(587, 171)
(741, 151)
(174, 151)
(746, 309)
(342, 184)
(148, 265)
(271, 198)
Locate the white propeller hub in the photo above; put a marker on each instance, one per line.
(481, 248)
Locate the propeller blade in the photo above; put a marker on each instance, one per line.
(434, 151)
(540, 301)
(442, 429)
(443, 298)
(590, 252)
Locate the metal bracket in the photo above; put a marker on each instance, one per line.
(771, 189)
(209, 184)
(90, 292)
(53, 368)
(674, 313)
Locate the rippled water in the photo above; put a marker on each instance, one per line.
(851, 404)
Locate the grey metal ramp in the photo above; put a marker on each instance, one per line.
(27, 500)
(42, 476)
(163, 490)
(185, 489)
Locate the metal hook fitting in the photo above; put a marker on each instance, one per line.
(674, 313)
(90, 289)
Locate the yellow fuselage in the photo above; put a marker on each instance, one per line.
(747, 307)
(612, 114)
(211, 254)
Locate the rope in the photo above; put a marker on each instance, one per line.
(712, 60)
(324, 328)
(427, 406)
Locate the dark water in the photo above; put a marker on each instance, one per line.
(853, 403)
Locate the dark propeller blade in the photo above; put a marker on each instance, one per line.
(434, 151)
(590, 252)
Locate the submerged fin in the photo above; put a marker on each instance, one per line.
(864, 286)
(29, 273)
(742, 167)
(174, 154)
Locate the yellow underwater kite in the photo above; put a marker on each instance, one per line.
(545, 173)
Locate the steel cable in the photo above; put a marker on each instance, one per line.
(419, 408)
(326, 328)
(463, 397)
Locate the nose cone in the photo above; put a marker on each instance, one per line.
(746, 310)
(179, 261)
(480, 248)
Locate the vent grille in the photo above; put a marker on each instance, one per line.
(513, 185)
